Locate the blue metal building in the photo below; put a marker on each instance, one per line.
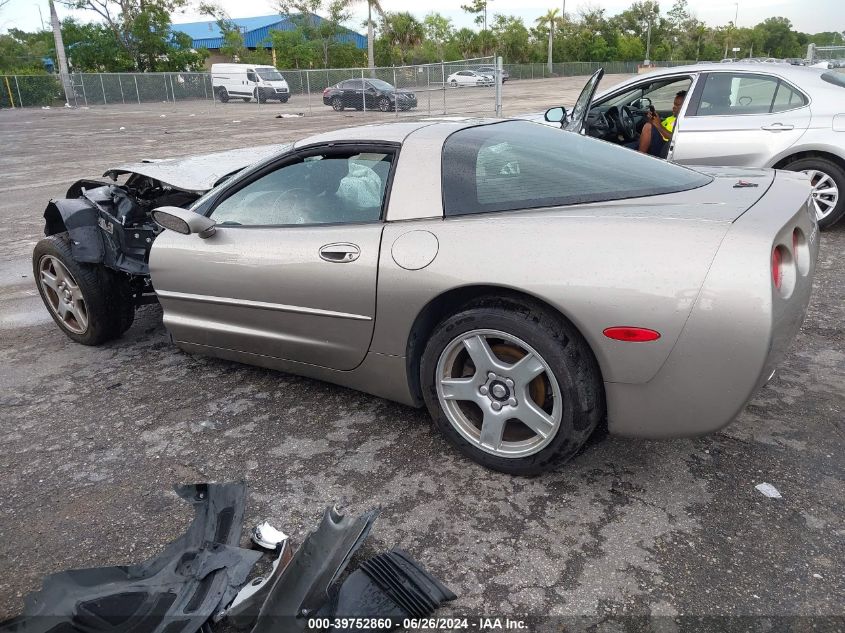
(255, 31)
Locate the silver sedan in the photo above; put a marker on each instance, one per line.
(744, 115)
(523, 283)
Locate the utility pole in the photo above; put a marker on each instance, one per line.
(736, 16)
(648, 43)
(64, 74)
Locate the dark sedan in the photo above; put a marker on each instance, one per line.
(370, 94)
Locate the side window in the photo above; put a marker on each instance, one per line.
(787, 98)
(322, 189)
(251, 76)
(663, 96)
(516, 165)
(732, 94)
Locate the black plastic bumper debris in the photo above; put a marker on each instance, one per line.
(389, 587)
(175, 592)
(302, 588)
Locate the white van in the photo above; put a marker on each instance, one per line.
(248, 82)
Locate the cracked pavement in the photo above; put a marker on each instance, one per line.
(95, 438)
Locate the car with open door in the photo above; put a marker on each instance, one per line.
(372, 257)
(743, 115)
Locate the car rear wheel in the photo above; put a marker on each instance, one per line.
(337, 104)
(384, 104)
(454, 83)
(88, 302)
(828, 181)
(514, 388)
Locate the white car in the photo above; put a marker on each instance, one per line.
(469, 78)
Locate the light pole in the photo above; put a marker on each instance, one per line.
(736, 16)
(648, 43)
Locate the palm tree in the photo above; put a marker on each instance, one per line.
(403, 31)
(550, 17)
(371, 4)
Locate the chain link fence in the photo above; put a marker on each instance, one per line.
(436, 89)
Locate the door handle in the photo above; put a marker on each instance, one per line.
(778, 127)
(340, 253)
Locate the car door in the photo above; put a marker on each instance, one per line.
(739, 118)
(576, 118)
(290, 270)
(352, 97)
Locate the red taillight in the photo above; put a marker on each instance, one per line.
(631, 334)
(777, 266)
(326, 91)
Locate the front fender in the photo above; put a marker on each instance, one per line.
(78, 217)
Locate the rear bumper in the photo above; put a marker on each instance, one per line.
(739, 329)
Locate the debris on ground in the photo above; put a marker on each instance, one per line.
(290, 116)
(176, 591)
(266, 536)
(768, 490)
(201, 578)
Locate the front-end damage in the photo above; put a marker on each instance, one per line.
(109, 222)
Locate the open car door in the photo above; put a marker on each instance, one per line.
(575, 121)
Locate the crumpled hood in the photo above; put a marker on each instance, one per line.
(197, 174)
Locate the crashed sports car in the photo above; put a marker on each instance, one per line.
(522, 282)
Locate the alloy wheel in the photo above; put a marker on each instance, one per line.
(499, 393)
(64, 298)
(825, 193)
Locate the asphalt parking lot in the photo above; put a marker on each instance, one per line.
(95, 438)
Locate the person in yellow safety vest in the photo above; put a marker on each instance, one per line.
(669, 124)
(655, 135)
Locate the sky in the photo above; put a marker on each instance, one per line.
(824, 15)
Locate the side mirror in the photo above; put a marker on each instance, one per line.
(184, 221)
(556, 115)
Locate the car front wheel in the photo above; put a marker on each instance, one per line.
(384, 104)
(828, 182)
(513, 387)
(88, 302)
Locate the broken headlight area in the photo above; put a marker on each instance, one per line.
(111, 223)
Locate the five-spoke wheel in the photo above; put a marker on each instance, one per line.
(513, 385)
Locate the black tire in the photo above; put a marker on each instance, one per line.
(107, 298)
(246, 99)
(283, 99)
(337, 104)
(222, 94)
(836, 173)
(454, 83)
(261, 96)
(564, 350)
(384, 104)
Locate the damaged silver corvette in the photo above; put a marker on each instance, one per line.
(522, 282)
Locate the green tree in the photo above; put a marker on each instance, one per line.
(403, 31)
(371, 4)
(549, 19)
(140, 27)
(438, 30)
(512, 37)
